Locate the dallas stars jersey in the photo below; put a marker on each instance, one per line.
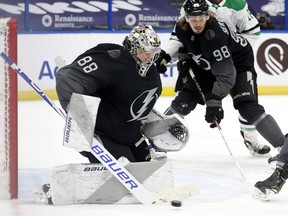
(236, 15)
(109, 72)
(219, 51)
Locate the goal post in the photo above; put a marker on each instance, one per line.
(8, 112)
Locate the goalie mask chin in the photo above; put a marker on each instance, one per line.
(144, 45)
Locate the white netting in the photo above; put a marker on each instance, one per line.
(4, 114)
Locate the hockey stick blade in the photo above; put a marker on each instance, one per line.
(176, 193)
(104, 156)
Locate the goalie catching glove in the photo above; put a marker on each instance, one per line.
(166, 133)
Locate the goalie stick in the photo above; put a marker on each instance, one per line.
(117, 170)
(217, 124)
(33, 85)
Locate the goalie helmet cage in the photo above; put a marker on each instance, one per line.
(8, 112)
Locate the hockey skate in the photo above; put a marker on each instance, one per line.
(264, 190)
(43, 196)
(255, 147)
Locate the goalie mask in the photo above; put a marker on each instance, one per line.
(143, 41)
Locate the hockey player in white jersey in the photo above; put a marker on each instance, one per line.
(236, 15)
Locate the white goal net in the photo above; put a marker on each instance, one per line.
(8, 112)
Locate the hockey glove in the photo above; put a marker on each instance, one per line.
(183, 65)
(166, 133)
(214, 112)
(185, 60)
(163, 59)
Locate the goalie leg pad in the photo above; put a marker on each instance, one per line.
(80, 122)
(79, 183)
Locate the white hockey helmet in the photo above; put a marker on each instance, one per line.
(144, 37)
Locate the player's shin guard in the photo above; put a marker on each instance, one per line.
(269, 129)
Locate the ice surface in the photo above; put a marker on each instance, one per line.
(205, 160)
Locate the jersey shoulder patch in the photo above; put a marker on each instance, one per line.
(210, 34)
(113, 50)
(114, 53)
